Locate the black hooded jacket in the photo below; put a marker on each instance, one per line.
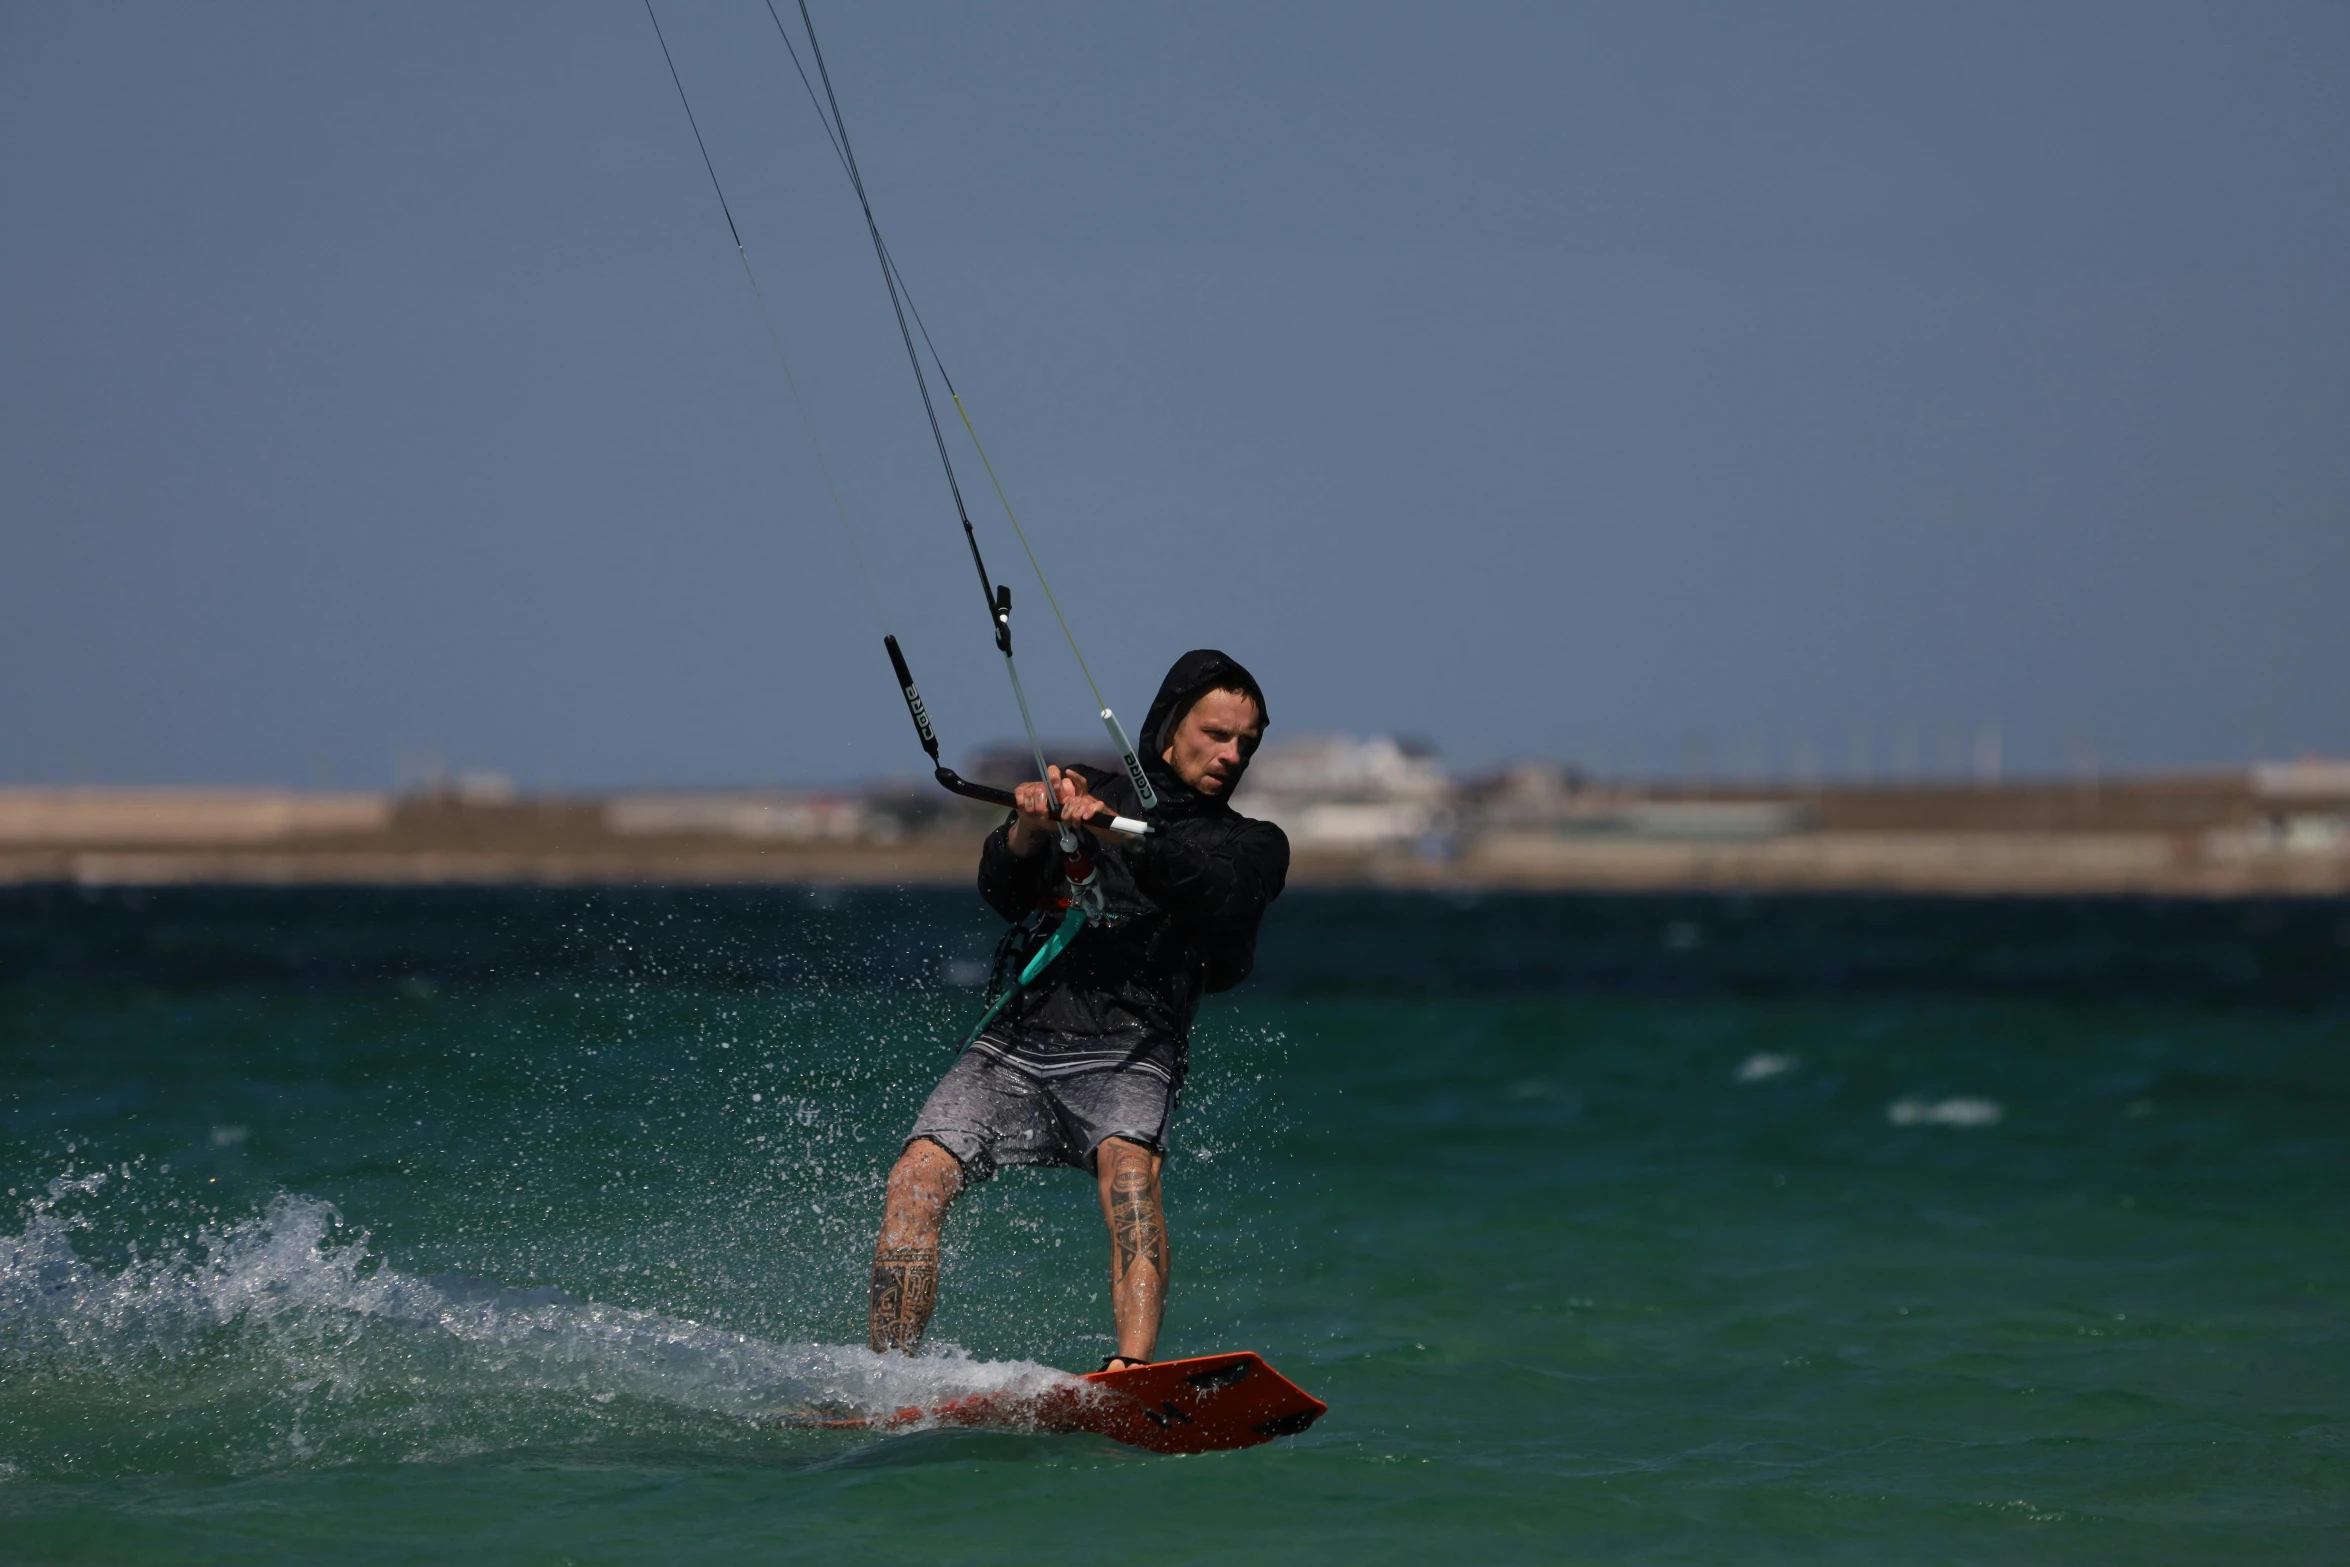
(1183, 904)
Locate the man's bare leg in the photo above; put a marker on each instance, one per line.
(905, 1257)
(1129, 1179)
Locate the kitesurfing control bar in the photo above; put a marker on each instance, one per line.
(955, 782)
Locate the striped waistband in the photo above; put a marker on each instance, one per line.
(1153, 1057)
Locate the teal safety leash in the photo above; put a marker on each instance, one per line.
(1071, 923)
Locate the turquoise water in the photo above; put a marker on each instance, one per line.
(405, 1227)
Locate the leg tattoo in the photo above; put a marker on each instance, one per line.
(1138, 1255)
(905, 1256)
(1137, 1232)
(905, 1289)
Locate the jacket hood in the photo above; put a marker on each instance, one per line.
(1194, 675)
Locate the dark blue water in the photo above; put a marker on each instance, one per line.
(405, 1226)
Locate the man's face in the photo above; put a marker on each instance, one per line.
(1215, 740)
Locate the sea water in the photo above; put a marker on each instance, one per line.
(501, 1225)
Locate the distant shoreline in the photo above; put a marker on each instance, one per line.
(2197, 836)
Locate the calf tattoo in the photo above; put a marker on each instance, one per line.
(1137, 1232)
(905, 1289)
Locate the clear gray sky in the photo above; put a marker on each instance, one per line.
(1617, 382)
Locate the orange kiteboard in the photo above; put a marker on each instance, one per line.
(1199, 1405)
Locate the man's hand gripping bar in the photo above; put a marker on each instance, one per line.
(955, 782)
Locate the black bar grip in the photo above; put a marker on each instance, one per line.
(950, 779)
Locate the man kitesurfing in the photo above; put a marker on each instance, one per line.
(1083, 1065)
(1133, 893)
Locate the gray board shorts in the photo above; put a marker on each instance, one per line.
(989, 1113)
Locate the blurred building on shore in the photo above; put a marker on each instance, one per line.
(1335, 793)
